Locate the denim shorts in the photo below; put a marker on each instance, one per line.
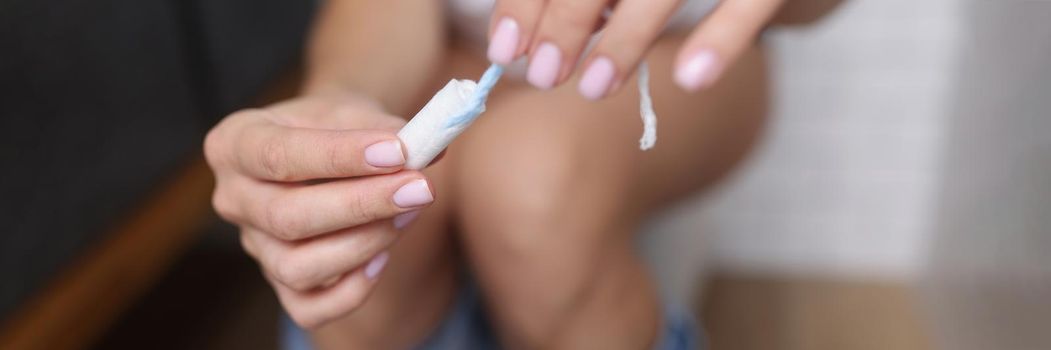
(467, 327)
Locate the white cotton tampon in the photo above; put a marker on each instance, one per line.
(460, 102)
(425, 136)
(445, 116)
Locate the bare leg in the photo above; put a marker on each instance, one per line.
(550, 189)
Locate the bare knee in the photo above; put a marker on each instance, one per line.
(537, 218)
(543, 196)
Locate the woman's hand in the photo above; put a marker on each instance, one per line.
(317, 187)
(554, 34)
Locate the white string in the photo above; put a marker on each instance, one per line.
(649, 117)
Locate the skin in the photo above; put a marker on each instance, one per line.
(549, 221)
(543, 202)
(629, 32)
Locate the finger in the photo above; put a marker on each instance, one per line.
(315, 308)
(298, 212)
(310, 264)
(564, 29)
(629, 33)
(268, 151)
(720, 40)
(511, 28)
(248, 244)
(226, 205)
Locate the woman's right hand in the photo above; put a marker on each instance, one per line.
(317, 187)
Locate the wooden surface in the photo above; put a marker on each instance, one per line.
(765, 313)
(84, 300)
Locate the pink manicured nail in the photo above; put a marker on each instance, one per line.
(546, 62)
(504, 42)
(404, 219)
(698, 71)
(385, 154)
(376, 265)
(413, 194)
(597, 78)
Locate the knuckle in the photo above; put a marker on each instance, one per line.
(281, 222)
(248, 245)
(273, 159)
(338, 163)
(212, 147)
(364, 207)
(223, 206)
(217, 143)
(293, 272)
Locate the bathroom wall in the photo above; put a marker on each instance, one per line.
(987, 284)
(845, 181)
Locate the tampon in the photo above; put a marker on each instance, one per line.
(445, 116)
(460, 102)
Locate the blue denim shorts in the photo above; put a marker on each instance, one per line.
(467, 327)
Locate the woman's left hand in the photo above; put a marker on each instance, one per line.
(554, 34)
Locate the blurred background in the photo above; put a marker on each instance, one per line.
(900, 199)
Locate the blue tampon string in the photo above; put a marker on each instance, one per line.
(476, 104)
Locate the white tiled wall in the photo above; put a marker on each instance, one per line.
(844, 180)
(988, 280)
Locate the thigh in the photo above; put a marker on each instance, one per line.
(530, 140)
(550, 186)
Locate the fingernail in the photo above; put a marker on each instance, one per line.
(597, 78)
(376, 265)
(404, 219)
(698, 71)
(544, 66)
(385, 154)
(413, 194)
(504, 42)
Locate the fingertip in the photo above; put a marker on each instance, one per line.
(597, 79)
(376, 265)
(401, 221)
(697, 70)
(416, 193)
(385, 154)
(544, 66)
(503, 45)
